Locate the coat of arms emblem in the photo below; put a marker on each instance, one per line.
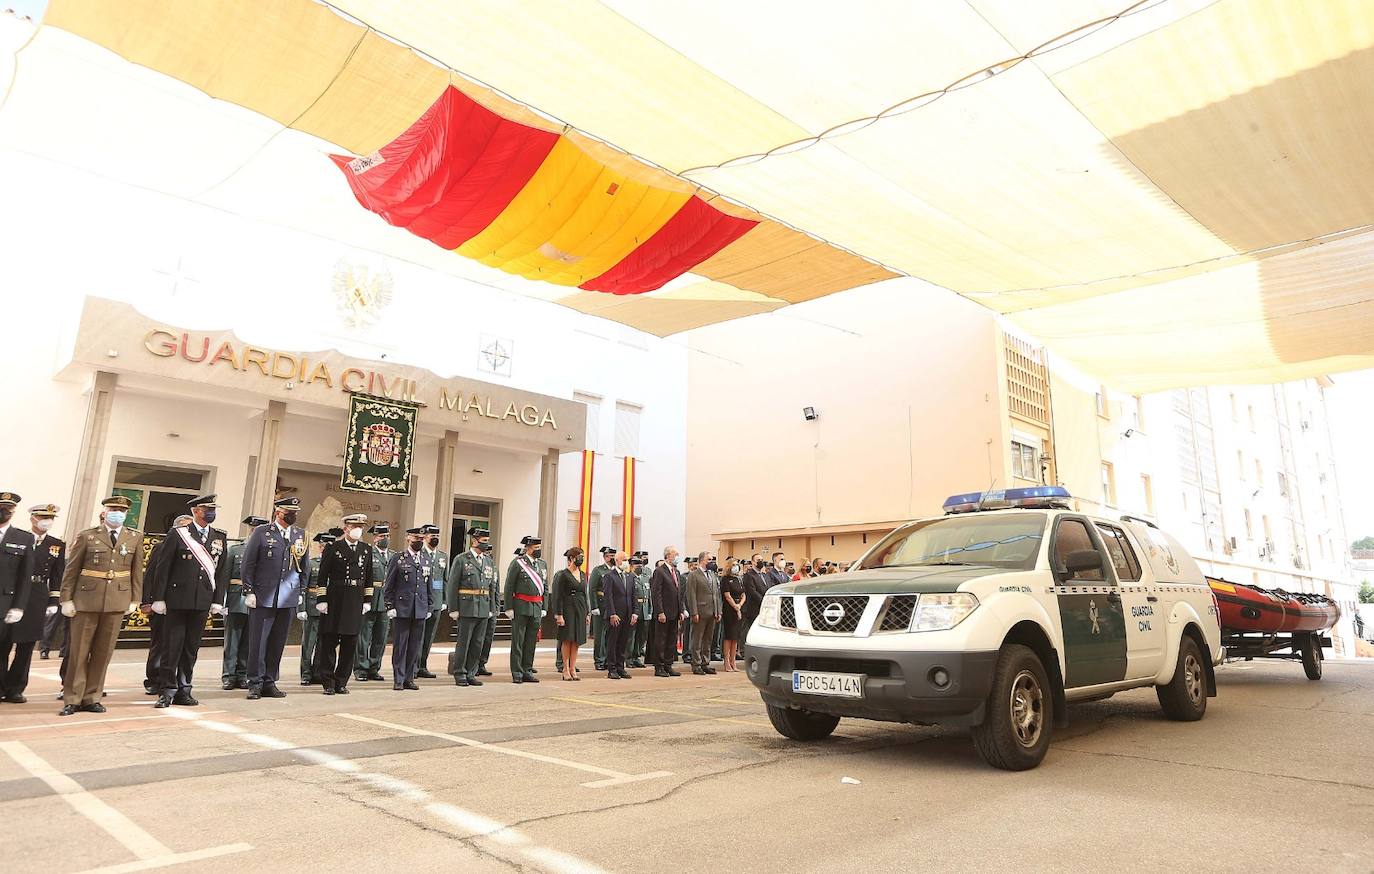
(380, 445)
(361, 293)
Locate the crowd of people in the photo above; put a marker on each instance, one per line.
(352, 592)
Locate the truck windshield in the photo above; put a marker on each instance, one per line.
(1010, 541)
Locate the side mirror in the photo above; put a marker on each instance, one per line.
(1083, 560)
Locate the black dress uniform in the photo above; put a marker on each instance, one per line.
(153, 661)
(49, 560)
(309, 613)
(595, 594)
(345, 574)
(406, 595)
(17, 565)
(191, 573)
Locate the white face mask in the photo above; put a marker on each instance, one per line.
(114, 518)
(42, 524)
(354, 534)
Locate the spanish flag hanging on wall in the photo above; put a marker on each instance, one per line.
(533, 203)
(628, 527)
(584, 504)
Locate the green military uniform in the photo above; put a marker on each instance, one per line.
(594, 596)
(638, 640)
(309, 615)
(496, 607)
(439, 563)
(234, 667)
(524, 596)
(376, 625)
(471, 578)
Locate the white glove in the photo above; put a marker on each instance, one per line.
(301, 615)
(543, 614)
(217, 610)
(52, 608)
(160, 607)
(391, 614)
(510, 614)
(323, 607)
(443, 607)
(366, 607)
(132, 608)
(251, 600)
(596, 612)
(69, 609)
(13, 615)
(453, 615)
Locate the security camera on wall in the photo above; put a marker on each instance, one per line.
(810, 414)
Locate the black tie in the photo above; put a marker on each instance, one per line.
(114, 538)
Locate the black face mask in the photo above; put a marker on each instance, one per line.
(289, 517)
(537, 552)
(485, 546)
(6, 514)
(209, 515)
(383, 543)
(758, 565)
(414, 545)
(711, 566)
(434, 543)
(577, 561)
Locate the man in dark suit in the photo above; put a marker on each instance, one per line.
(152, 665)
(190, 574)
(406, 595)
(49, 560)
(618, 612)
(273, 575)
(754, 587)
(777, 571)
(666, 585)
(16, 578)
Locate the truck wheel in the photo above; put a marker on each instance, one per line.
(1184, 698)
(1312, 656)
(801, 724)
(1015, 734)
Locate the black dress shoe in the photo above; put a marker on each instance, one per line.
(624, 676)
(97, 707)
(426, 675)
(241, 684)
(67, 710)
(659, 672)
(531, 678)
(697, 670)
(474, 682)
(410, 684)
(43, 654)
(517, 678)
(16, 699)
(185, 701)
(612, 675)
(707, 669)
(305, 682)
(342, 690)
(272, 691)
(163, 701)
(483, 672)
(461, 681)
(375, 677)
(396, 687)
(673, 673)
(227, 685)
(534, 670)
(361, 678)
(254, 693)
(147, 691)
(328, 690)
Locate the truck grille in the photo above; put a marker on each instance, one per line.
(897, 616)
(871, 667)
(787, 614)
(838, 614)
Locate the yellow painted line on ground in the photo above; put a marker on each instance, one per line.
(753, 722)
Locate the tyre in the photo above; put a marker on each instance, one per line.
(1015, 733)
(801, 724)
(1312, 656)
(1184, 698)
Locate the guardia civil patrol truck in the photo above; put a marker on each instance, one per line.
(993, 616)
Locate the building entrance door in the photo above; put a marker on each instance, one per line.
(469, 512)
(157, 494)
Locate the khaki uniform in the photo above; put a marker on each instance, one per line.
(102, 580)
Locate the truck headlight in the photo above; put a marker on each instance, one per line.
(768, 611)
(941, 612)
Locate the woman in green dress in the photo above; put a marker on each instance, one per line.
(569, 597)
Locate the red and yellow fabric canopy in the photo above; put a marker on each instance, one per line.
(532, 203)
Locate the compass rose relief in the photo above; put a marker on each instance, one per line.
(360, 293)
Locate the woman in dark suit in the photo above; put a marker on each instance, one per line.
(569, 605)
(732, 591)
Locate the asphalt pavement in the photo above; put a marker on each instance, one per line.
(683, 774)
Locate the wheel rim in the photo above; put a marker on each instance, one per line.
(1027, 709)
(1192, 678)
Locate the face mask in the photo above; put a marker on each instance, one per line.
(734, 569)
(537, 552)
(6, 514)
(778, 564)
(383, 542)
(114, 518)
(289, 517)
(43, 524)
(577, 561)
(711, 566)
(414, 545)
(354, 534)
(485, 547)
(209, 515)
(758, 565)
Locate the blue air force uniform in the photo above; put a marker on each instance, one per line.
(273, 575)
(406, 595)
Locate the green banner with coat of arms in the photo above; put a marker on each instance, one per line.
(381, 440)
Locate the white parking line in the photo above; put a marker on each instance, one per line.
(474, 825)
(149, 851)
(94, 721)
(612, 778)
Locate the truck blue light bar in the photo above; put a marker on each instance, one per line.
(1034, 497)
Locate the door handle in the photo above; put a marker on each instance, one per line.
(1151, 598)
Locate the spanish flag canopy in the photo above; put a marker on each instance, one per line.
(1166, 192)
